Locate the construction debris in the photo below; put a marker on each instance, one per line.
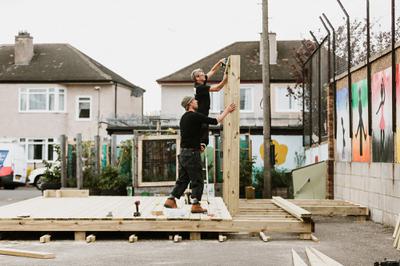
(396, 234)
(317, 258)
(297, 261)
(177, 238)
(222, 238)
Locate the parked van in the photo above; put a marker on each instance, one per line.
(13, 164)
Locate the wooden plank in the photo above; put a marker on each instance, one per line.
(80, 236)
(26, 253)
(397, 226)
(195, 236)
(327, 260)
(297, 261)
(314, 259)
(231, 137)
(63, 160)
(104, 225)
(79, 165)
(291, 208)
(337, 210)
(264, 237)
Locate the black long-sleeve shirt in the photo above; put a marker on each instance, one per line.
(203, 97)
(190, 126)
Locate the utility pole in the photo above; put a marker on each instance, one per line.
(266, 102)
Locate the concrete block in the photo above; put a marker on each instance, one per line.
(357, 182)
(356, 168)
(376, 215)
(364, 169)
(388, 187)
(339, 167)
(376, 200)
(374, 185)
(363, 198)
(339, 179)
(347, 168)
(396, 171)
(347, 181)
(346, 193)
(387, 171)
(375, 169)
(389, 218)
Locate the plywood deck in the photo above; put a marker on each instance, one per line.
(91, 214)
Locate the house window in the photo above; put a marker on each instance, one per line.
(246, 100)
(285, 102)
(42, 100)
(38, 150)
(84, 108)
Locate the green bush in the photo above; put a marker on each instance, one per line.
(52, 174)
(110, 181)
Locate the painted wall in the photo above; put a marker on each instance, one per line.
(288, 151)
(51, 125)
(372, 179)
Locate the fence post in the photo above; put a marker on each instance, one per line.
(97, 154)
(63, 159)
(79, 161)
(113, 150)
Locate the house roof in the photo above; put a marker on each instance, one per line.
(250, 67)
(57, 63)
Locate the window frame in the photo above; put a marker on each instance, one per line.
(221, 95)
(45, 141)
(27, 91)
(77, 118)
(277, 100)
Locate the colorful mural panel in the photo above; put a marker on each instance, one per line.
(381, 104)
(360, 140)
(343, 141)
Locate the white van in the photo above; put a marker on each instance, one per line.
(13, 164)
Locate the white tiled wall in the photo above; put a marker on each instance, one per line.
(375, 185)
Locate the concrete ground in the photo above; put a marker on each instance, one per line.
(343, 239)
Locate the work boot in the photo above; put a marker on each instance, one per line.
(196, 208)
(170, 203)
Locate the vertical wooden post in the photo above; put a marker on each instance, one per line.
(231, 137)
(63, 159)
(97, 153)
(79, 161)
(113, 150)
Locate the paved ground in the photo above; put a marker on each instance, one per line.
(347, 241)
(21, 193)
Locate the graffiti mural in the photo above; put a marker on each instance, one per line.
(343, 141)
(382, 135)
(360, 140)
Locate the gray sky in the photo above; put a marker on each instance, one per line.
(144, 40)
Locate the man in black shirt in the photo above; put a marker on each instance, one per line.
(202, 93)
(190, 168)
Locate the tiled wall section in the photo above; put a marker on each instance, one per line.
(375, 185)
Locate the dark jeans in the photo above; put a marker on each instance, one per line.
(190, 170)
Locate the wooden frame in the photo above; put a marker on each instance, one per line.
(140, 140)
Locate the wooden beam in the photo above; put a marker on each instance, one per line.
(291, 208)
(79, 164)
(231, 137)
(328, 261)
(297, 261)
(314, 259)
(80, 226)
(26, 253)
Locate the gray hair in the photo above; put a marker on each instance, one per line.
(194, 72)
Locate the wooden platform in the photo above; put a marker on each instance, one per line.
(316, 207)
(93, 214)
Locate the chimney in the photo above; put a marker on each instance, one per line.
(273, 49)
(23, 49)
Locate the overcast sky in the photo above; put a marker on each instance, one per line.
(149, 39)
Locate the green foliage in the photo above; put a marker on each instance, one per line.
(111, 181)
(280, 178)
(52, 173)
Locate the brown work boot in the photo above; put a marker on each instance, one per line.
(170, 203)
(196, 208)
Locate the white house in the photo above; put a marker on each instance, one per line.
(47, 90)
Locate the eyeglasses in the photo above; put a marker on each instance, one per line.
(199, 75)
